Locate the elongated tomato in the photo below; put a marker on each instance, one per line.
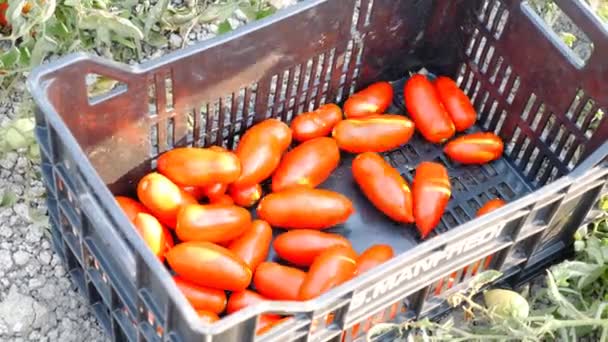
(162, 197)
(279, 282)
(201, 297)
(456, 103)
(374, 256)
(376, 133)
(252, 247)
(305, 208)
(375, 99)
(207, 316)
(260, 150)
(247, 196)
(475, 148)
(425, 108)
(309, 164)
(267, 322)
(215, 191)
(242, 299)
(153, 233)
(212, 222)
(199, 166)
(130, 206)
(432, 191)
(210, 265)
(316, 124)
(490, 205)
(331, 268)
(383, 185)
(301, 246)
(222, 199)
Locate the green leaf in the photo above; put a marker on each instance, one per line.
(249, 10)
(97, 20)
(224, 27)
(568, 38)
(156, 39)
(8, 199)
(155, 14)
(270, 10)
(10, 58)
(604, 202)
(42, 48)
(218, 12)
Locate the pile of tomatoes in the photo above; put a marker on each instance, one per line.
(222, 248)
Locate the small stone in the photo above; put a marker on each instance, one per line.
(17, 312)
(6, 262)
(9, 160)
(34, 234)
(36, 283)
(6, 231)
(175, 41)
(45, 257)
(22, 210)
(21, 258)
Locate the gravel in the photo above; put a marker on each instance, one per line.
(38, 302)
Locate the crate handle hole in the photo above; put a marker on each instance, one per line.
(102, 88)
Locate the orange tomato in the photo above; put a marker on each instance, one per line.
(267, 322)
(207, 316)
(384, 186)
(309, 164)
(425, 108)
(374, 256)
(215, 191)
(202, 298)
(331, 268)
(305, 208)
(212, 222)
(197, 192)
(210, 265)
(252, 247)
(222, 199)
(130, 206)
(375, 99)
(301, 246)
(260, 150)
(199, 166)
(376, 133)
(153, 234)
(432, 191)
(278, 282)
(456, 103)
(475, 148)
(247, 196)
(243, 299)
(490, 205)
(316, 124)
(162, 197)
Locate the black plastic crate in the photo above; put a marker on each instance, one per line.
(527, 86)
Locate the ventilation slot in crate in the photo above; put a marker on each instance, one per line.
(395, 312)
(350, 69)
(494, 16)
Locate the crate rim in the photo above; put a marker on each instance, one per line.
(37, 86)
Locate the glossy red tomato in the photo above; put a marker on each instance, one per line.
(475, 148)
(199, 166)
(202, 298)
(279, 282)
(212, 222)
(456, 102)
(242, 299)
(210, 265)
(130, 206)
(301, 246)
(305, 208)
(374, 256)
(316, 124)
(331, 268)
(260, 150)
(432, 191)
(3, 7)
(252, 247)
(207, 316)
(247, 196)
(162, 197)
(309, 164)
(375, 99)
(425, 108)
(222, 199)
(376, 133)
(153, 233)
(490, 205)
(384, 186)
